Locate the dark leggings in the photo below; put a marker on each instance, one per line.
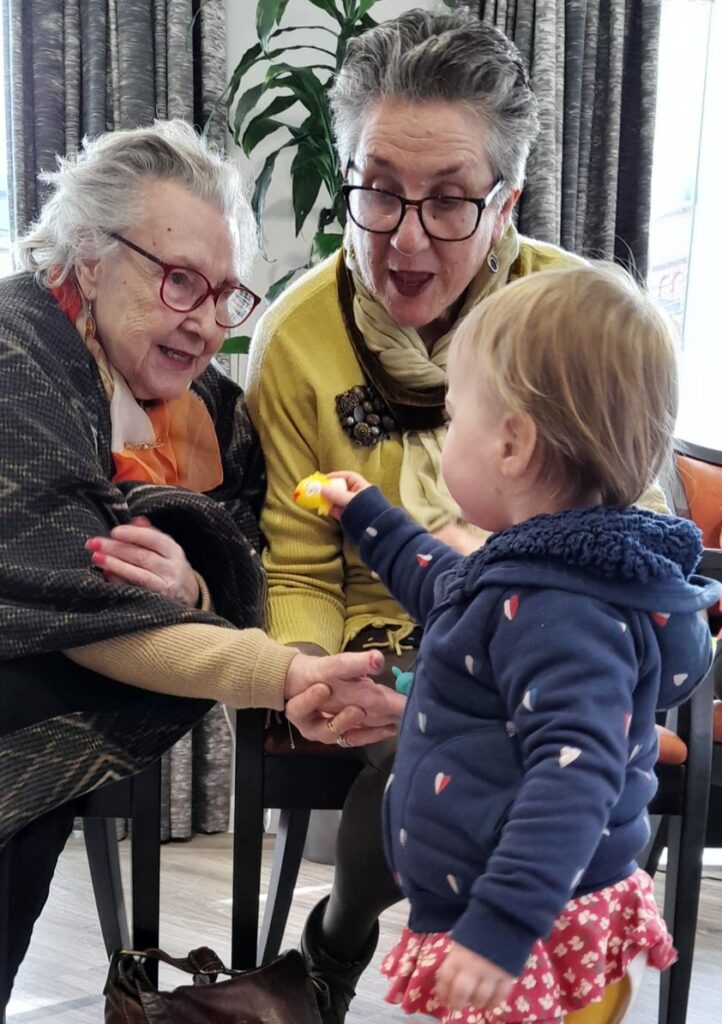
(27, 864)
(363, 886)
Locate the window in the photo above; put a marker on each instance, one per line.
(686, 223)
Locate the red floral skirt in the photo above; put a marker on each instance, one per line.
(592, 943)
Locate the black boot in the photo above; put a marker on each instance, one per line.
(337, 980)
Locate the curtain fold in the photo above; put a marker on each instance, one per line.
(593, 66)
(83, 67)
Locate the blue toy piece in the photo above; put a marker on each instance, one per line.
(403, 680)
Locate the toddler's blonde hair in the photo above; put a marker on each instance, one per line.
(589, 357)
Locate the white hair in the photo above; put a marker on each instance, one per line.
(99, 190)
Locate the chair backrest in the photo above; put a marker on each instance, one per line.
(699, 494)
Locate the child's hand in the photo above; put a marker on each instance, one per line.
(467, 979)
(343, 488)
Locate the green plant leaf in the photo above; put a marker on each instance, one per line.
(264, 123)
(268, 13)
(363, 7)
(278, 286)
(246, 103)
(324, 244)
(306, 178)
(309, 90)
(263, 180)
(236, 346)
(329, 7)
(252, 55)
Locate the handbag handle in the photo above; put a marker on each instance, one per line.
(202, 963)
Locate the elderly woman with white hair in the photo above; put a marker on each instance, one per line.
(434, 119)
(131, 594)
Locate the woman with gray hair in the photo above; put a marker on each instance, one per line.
(434, 119)
(131, 594)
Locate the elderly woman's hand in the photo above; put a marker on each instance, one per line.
(333, 697)
(139, 554)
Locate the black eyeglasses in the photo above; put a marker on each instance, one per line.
(183, 290)
(446, 218)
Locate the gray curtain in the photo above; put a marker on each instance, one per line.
(593, 66)
(83, 67)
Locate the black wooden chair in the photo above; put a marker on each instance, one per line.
(680, 808)
(297, 783)
(136, 799)
(679, 818)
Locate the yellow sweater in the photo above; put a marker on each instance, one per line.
(319, 589)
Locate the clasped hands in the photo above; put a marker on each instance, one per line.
(319, 690)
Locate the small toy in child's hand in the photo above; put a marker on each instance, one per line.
(308, 492)
(403, 680)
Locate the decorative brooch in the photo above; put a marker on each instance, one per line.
(364, 415)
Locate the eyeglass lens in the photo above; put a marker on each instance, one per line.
(184, 289)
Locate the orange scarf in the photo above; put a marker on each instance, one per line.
(184, 452)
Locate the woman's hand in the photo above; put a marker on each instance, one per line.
(344, 487)
(467, 979)
(145, 557)
(337, 690)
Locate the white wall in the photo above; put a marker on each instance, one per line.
(284, 250)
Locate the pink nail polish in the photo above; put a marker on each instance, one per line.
(98, 558)
(93, 544)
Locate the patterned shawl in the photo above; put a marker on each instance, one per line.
(65, 730)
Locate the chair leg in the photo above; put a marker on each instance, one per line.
(145, 856)
(287, 854)
(650, 855)
(247, 837)
(101, 846)
(681, 902)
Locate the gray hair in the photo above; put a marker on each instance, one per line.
(454, 56)
(100, 190)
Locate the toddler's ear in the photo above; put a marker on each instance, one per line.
(518, 444)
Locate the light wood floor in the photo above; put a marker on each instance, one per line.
(62, 977)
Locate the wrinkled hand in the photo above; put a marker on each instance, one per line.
(343, 488)
(467, 979)
(459, 538)
(139, 554)
(338, 688)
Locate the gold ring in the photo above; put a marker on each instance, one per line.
(343, 742)
(331, 727)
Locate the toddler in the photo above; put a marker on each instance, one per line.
(517, 803)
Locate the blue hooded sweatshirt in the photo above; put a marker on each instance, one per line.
(527, 749)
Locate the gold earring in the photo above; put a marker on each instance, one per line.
(492, 261)
(90, 322)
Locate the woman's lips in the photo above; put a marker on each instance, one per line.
(176, 357)
(409, 283)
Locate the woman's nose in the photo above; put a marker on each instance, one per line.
(204, 316)
(410, 236)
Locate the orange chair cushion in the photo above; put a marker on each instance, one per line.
(672, 749)
(702, 484)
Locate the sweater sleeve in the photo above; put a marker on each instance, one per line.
(573, 760)
(303, 558)
(406, 557)
(239, 667)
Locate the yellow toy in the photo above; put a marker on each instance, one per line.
(308, 493)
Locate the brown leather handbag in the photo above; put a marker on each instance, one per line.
(278, 993)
